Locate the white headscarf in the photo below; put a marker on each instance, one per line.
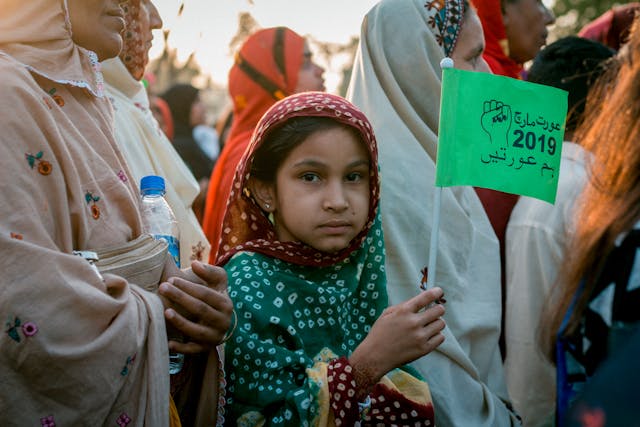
(396, 81)
(149, 152)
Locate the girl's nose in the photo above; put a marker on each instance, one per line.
(335, 198)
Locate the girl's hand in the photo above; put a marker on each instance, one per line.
(402, 334)
(202, 313)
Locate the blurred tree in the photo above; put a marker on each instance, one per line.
(168, 70)
(330, 53)
(247, 25)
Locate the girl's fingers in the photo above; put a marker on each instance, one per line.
(423, 299)
(435, 341)
(429, 315)
(434, 328)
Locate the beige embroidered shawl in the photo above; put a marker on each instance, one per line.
(75, 349)
(396, 82)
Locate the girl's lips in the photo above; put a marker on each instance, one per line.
(335, 223)
(336, 227)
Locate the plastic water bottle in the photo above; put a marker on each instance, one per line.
(157, 217)
(159, 221)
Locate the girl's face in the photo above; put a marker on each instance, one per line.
(321, 193)
(96, 25)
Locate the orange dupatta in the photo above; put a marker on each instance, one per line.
(272, 55)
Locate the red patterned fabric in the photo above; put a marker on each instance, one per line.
(386, 406)
(612, 27)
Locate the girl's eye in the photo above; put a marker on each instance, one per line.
(309, 177)
(354, 176)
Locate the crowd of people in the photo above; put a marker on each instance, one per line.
(305, 224)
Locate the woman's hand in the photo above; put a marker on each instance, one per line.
(402, 334)
(200, 312)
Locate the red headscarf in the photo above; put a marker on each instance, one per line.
(612, 27)
(265, 70)
(245, 225)
(160, 105)
(496, 52)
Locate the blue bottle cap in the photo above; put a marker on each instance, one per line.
(152, 184)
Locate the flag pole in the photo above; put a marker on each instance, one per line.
(437, 200)
(433, 247)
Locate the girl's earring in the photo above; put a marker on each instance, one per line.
(267, 206)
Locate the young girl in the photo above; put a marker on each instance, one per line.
(304, 251)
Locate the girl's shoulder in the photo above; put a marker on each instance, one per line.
(247, 266)
(253, 261)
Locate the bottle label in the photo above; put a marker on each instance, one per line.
(174, 246)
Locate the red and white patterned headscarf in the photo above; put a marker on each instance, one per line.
(245, 226)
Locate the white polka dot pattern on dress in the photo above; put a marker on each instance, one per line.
(288, 314)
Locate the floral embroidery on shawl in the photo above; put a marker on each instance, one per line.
(123, 420)
(122, 175)
(48, 421)
(28, 329)
(44, 166)
(91, 200)
(129, 362)
(57, 98)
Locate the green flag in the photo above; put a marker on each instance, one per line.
(500, 133)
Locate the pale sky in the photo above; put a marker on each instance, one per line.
(207, 26)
